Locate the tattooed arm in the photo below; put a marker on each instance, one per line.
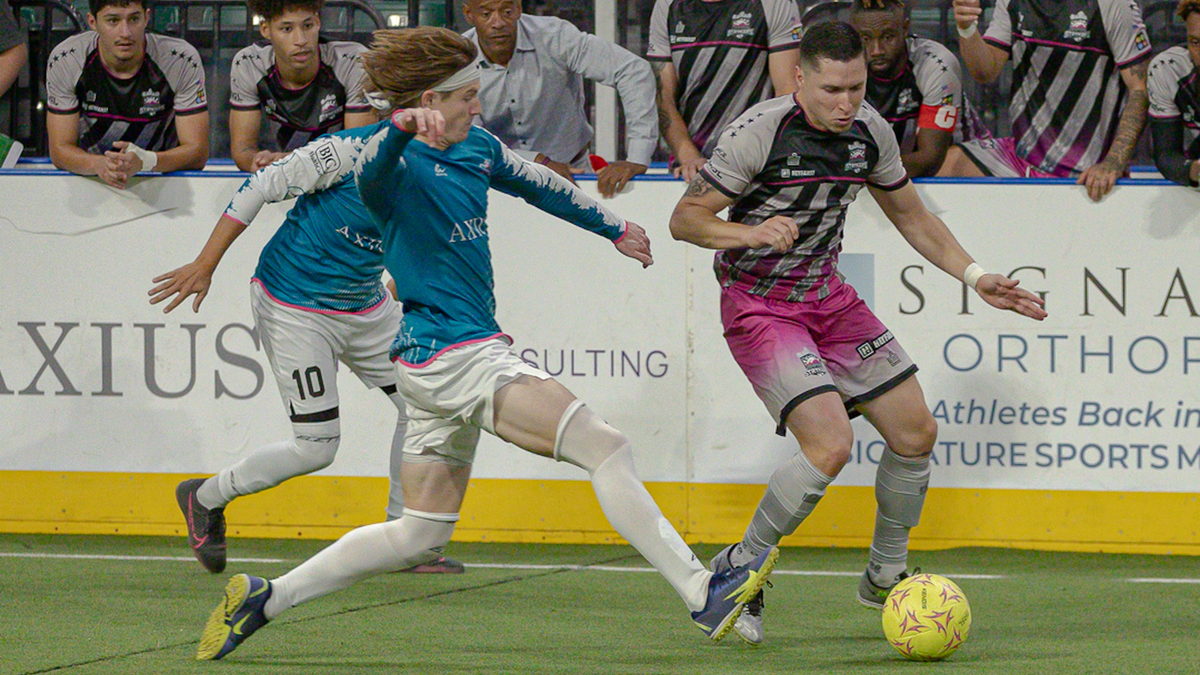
(671, 126)
(695, 220)
(1101, 178)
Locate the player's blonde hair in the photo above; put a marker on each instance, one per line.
(404, 63)
(1188, 7)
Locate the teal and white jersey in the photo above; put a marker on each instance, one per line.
(328, 254)
(431, 206)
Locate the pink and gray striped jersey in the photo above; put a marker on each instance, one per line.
(719, 50)
(772, 162)
(139, 110)
(1067, 91)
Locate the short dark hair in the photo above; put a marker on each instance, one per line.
(833, 40)
(96, 6)
(269, 9)
(1187, 7)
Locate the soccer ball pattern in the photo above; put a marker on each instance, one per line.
(926, 617)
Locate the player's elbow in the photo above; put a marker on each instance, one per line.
(678, 224)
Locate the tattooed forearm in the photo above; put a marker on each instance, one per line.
(1133, 119)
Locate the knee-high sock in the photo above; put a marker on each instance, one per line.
(395, 505)
(311, 448)
(900, 486)
(588, 442)
(415, 538)
(792, 493)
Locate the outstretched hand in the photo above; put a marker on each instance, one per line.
(1001, 292)
(191, 279)
(635, 244)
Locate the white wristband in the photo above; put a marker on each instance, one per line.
(969, 30)
(149, 159)
(972, 274)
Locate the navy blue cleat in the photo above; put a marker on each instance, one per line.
(236, 618)
(730, 590)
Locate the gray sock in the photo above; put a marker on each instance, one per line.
(792, 494)
(900, 486)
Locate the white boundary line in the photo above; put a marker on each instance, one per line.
(524, 566)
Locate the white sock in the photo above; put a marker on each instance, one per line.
(312, 447)
(363, 552)
(395, 507)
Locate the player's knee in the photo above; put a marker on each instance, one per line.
(317, 444)
(419, 536)
(917, 438)
(585, 440)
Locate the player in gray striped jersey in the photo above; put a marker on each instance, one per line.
(914, 83)
(122, 101)
(713, 59)
(815, 353)
(1079, 101)
(304, 86)
(1175, 103)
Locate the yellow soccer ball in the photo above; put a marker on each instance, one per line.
(926, 617)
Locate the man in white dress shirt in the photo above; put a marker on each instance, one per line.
(531, 87)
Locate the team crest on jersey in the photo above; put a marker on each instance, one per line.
(329, 107)
(906, 103)
(741, 25)
(91, 97)
(1079, 28)
(858, 157)
(793, 159)
(486, 165)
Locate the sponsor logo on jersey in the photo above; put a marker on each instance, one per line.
(439, 170)
(793, 159)
(326, 158)
(797, 173)
(906, 102)
(486, 165)
(1079, 27)
(797, 32)
(868, 348)
(1141, 41)
(468, 230)
(91, 97)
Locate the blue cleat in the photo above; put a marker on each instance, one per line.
(236, 618)
(729, 591)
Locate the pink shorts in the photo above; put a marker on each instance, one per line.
(998, 157)
(792, 351)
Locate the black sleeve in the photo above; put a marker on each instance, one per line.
(1168, 150)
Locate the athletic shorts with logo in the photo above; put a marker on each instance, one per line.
(793, 351)
(453, 395)
(305, 345)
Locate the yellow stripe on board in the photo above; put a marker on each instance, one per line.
(325, 507)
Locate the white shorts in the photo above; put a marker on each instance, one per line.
(304, 347)
(452, 397)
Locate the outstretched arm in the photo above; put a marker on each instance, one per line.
(551, 193)
(931, 238)
(308, 169)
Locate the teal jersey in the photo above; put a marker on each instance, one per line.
(327, 256)
(431, 207)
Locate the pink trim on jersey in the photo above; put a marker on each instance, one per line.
(715, 43)
(333, 312)
(226, 214)
(623, 233)
(184, 111)
(1064, 45)
(891, 79)
(119, 117)
(443, 350)
(1138, 57)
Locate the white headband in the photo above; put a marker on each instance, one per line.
(458, 80)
